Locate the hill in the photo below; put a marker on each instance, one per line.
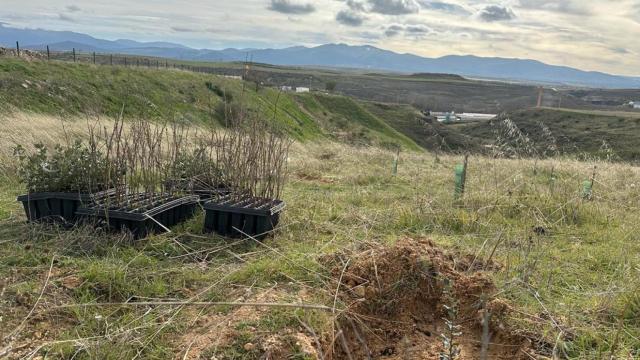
(334, 55)
(72, 90)
(578, 133)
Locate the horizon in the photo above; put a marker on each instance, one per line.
(543, 30)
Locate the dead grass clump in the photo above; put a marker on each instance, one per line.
(411, 301)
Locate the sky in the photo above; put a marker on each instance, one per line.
(600, 35)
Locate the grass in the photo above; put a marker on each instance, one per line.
(578, 133)
(77, 90)
(577, 284)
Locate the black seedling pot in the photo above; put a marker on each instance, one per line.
(141, 214)
(57, 206)
(239, 216)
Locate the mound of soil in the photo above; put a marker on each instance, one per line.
(401, 299)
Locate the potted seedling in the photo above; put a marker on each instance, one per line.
(252, 158)
(196, 173)
(144, 204)
(60, 180)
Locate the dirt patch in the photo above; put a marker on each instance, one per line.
(210, 335)
(404, 299)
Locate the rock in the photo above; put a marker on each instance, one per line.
(249, 346)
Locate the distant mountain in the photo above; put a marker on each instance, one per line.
(331, 55)
(39, 38)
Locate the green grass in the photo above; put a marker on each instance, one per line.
(78, 89)
(576, 286)
(583, 274)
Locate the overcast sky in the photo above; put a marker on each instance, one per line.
(601, 35)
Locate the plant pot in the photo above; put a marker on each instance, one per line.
(239, 216)
(141, 214)
(57, 206)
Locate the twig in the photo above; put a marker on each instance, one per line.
(197, 303)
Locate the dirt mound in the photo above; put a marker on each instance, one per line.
(407, 300)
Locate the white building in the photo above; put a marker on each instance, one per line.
(635, 104)
(302, 90)
(286, 88)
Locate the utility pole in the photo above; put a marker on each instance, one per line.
(18, 48)
(74, 54)
(48, 54)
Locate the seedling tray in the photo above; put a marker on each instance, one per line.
(205, 193)
(141, 214)
(252, 216)
(57, 206)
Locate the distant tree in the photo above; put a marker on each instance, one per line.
(330, 86)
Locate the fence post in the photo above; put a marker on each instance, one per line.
(74, 54)
(111, 59)
(18, 48)
(94, 58)
(48, 54)
(137, 62)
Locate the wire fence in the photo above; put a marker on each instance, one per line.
(115, 59)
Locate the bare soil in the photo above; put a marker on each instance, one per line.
(396, 299)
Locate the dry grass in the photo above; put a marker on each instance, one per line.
(568, 266)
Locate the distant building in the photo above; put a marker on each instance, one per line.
(635, 104)
(302, 90)
(286, 88)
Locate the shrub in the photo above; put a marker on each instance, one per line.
(72, 168)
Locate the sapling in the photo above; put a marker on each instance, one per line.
(451, 349)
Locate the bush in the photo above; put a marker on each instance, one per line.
(71, 168)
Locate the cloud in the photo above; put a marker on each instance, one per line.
(620, 50)
(356, 5)
(394, 7)
(182, 29)
(350, 18)
(444, 7)
(288, 7)
(493, 13)
(65, 17)
(73, 8)
(565, 6)
(408, 30)
(393, 30)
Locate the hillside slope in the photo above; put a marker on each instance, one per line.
(68, 89)
(572, 132)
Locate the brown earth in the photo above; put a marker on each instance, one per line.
(397, 298)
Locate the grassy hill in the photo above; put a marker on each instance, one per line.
(73, 90)
(359, 251)
(548, 267)
(579, 133)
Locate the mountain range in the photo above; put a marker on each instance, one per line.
(330, 55)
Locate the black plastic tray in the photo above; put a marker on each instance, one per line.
(252, 216)
(205, 193)
(57, 206)
(165, 212)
